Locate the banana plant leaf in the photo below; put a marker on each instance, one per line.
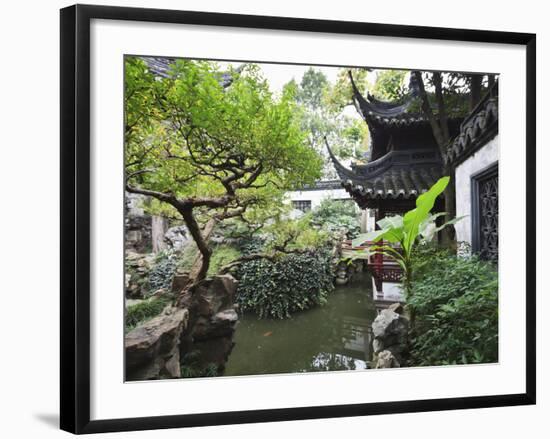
(414, 218)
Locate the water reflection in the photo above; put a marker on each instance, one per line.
(334, 337)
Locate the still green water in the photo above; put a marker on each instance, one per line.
(336, 336)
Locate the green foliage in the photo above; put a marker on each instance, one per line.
(222, 255)
(292, 283)
(163, 271)
(405, 231)
(297, 234)
(340, 94)
(311, 88)
(143, 311)
(350, 139)
(456, 88)
(191, 115)
(250, 244)
(211, 370)
(389, 85)
(337, 215)
(187, 257)
(187, 134)
(456, 306)
(193, 368)
(322, 118)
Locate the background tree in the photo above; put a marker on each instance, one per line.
(311, 88)
(321, 119)
(449, 95)
(389, 85)
(340, 94)
(211, 153)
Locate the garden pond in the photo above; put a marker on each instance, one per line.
(336, 336)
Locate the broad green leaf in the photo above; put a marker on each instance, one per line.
(393, 235)
(390, 221)
(388, 249)
(393, 226)
(367, 237)
(434, 216)
(427, 228)
(450, 222)
(397, 258)
(415, 217)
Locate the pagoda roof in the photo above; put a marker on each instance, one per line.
(386, 113)
(477, 129)
(396, 175)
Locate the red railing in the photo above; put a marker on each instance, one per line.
(382, 267)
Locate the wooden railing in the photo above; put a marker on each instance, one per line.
(383, 268)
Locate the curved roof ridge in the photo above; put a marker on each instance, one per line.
(343, 172)
(372, 106)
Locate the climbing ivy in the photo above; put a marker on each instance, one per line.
(292, 283)
(163, 271)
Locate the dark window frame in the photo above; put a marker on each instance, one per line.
(303, 205)
(475, 180)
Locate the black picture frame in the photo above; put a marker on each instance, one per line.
(75, 217)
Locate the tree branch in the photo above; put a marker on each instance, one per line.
(427, 110)
(442, 113)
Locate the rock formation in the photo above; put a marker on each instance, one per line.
(390, 330)
(153, 348)
(197, 333)
(209, 339)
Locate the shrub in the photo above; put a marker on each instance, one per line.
(163, 271)
(337, 215)
(187, 257)
(222, 255)
(252, 244)
(292, 283)
(143, 311)
(455, 301)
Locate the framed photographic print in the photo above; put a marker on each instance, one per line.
(268, 218)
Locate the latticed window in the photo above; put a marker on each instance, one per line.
(485, 213)
(303, 205)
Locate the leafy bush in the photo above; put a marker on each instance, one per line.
(143, 311)
(252, 244)
(292, 283)
(187, 257)
(455, 301)
(222, 255)
(209, 371)
(163, 271)
(337, 215)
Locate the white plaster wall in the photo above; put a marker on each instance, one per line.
(480, 160)
(316, 196)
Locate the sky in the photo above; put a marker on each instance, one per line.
(278, 75)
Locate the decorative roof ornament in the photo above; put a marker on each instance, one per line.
(397, 175)
(378, 112)
(476, 130)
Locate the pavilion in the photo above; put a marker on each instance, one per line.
(405, 159)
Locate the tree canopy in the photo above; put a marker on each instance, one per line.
(389, 85)
(212, 152)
